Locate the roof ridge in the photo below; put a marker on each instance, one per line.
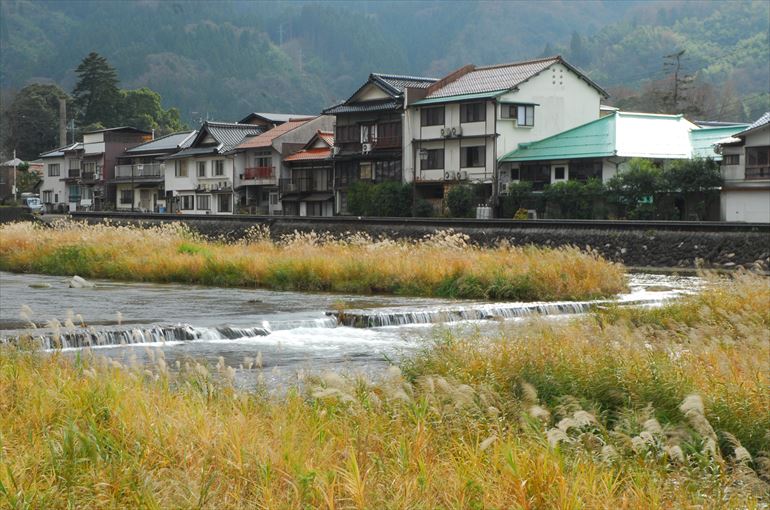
(229, 124)
(162, 138)
(404, 77)
(523, 62)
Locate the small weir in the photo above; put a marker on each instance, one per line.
(374, 318)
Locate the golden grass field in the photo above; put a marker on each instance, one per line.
(444, 264)
(623, 408)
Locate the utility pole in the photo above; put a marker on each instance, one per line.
(674, 61)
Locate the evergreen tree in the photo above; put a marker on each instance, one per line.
(96, 94)
(31, 122)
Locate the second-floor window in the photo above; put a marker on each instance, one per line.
(433, 116)
(368, 133)
(346, 134)
(731, 159)
(472, 112)
(54, 170)
(472, 156)
(201, 165)
(434, 160)
(262, 161)
(219, 167)
(758, 162)
(524, 114)
(89, 167)
(180, 170)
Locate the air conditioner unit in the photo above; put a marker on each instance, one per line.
(457, 131)
(449, 176)
(463, 175)
(446, 131)
(366, 148)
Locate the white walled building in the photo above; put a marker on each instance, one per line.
(457, 129)
(745, 194)
(259, 167)
(200, 179)
(61, 168)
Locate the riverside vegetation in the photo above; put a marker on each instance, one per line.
(444, 264)
(623, 408)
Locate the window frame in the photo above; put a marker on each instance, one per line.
(426, 119)
(51, 167)
(433, 159)
(219, 167)
(184, 206)
(200, 167)
(203, 202)
(465, 110)
(126, 193)
(759, 168)
(464, 152)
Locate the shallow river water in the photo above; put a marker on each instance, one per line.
(293, 333)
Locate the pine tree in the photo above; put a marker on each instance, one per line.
(96, 94)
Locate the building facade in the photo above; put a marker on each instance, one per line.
(308, 188)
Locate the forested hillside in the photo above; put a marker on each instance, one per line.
(223, 59)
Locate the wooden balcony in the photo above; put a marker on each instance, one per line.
(304, 185)
(147, 171)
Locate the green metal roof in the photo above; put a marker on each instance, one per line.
(595, 139)
(703, 139)
(461, 97)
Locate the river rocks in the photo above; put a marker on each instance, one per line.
(40, 285)
(78, 282)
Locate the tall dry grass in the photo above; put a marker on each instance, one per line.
(638, 410)
(444, 264)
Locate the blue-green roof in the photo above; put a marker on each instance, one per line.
(461, 97)
(703, 139)
(595, 139)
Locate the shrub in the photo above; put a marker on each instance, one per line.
(461, 201)
(423, 209)
(391, 199)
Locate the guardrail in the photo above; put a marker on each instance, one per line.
(446, 223)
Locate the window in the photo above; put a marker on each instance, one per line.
(559, 173)
(53, 170)
(262, 161)
(389, 134)
(432, 116)
(582, 170)
(525, 115)
(538, 175)
(180, 169)
(188, 203)
(758, 162)
(126, 196)
(204, 202)
(387, 170)
(224, 203)
(56, 198)
(47, 197)
(472, 156)
(365, 171)
(433, 161)
(201, 165)
(731, 159)
(219, 167)
(346, 134)
(472, 112)
(368, 133)
(273, 198)
(89, 167)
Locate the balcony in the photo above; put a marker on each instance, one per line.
(147, 171)
(73, 173)
(259, 173)
(89, 176)
(387, 142)
(304, 184)
(757, 173)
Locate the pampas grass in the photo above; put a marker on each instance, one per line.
(444, 264)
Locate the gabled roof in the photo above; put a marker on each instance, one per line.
(59, 152)
(624, 134)
(274, 118)
(311, 153)
(266, 139)
(227, 134)
(763, 121)
(391, 84)
(503, 77)
(125, 129)
(173, 141)
(704, 139)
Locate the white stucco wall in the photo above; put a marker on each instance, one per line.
(746, 205)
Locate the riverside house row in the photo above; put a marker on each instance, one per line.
(540, 121)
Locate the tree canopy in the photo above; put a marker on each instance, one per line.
(31, 122)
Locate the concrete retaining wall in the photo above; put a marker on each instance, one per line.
(636, 244)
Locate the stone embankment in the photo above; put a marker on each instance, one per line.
(655, 244)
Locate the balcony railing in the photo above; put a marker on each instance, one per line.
(142, 171)
(74, 198)
(387, 142)
(259, 173)
(304, 185)
(73, 173)
(757, 173)
(88, 176)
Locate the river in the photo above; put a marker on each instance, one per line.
(292, 333)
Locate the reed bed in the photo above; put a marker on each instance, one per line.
(444, 264)
(641, 409)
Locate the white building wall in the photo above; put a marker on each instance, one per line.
(192, 184)
(746, 205)
(54, 184)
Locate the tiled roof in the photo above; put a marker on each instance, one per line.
(189, 152)
(760, 122)
(398, 83)
(310, 155)
(228, 134)
(127, 129)
(266, 139)
(327, 137)
(173, 141)
(503, 77)
(368, 106)
(59, 152)
(275, 118)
